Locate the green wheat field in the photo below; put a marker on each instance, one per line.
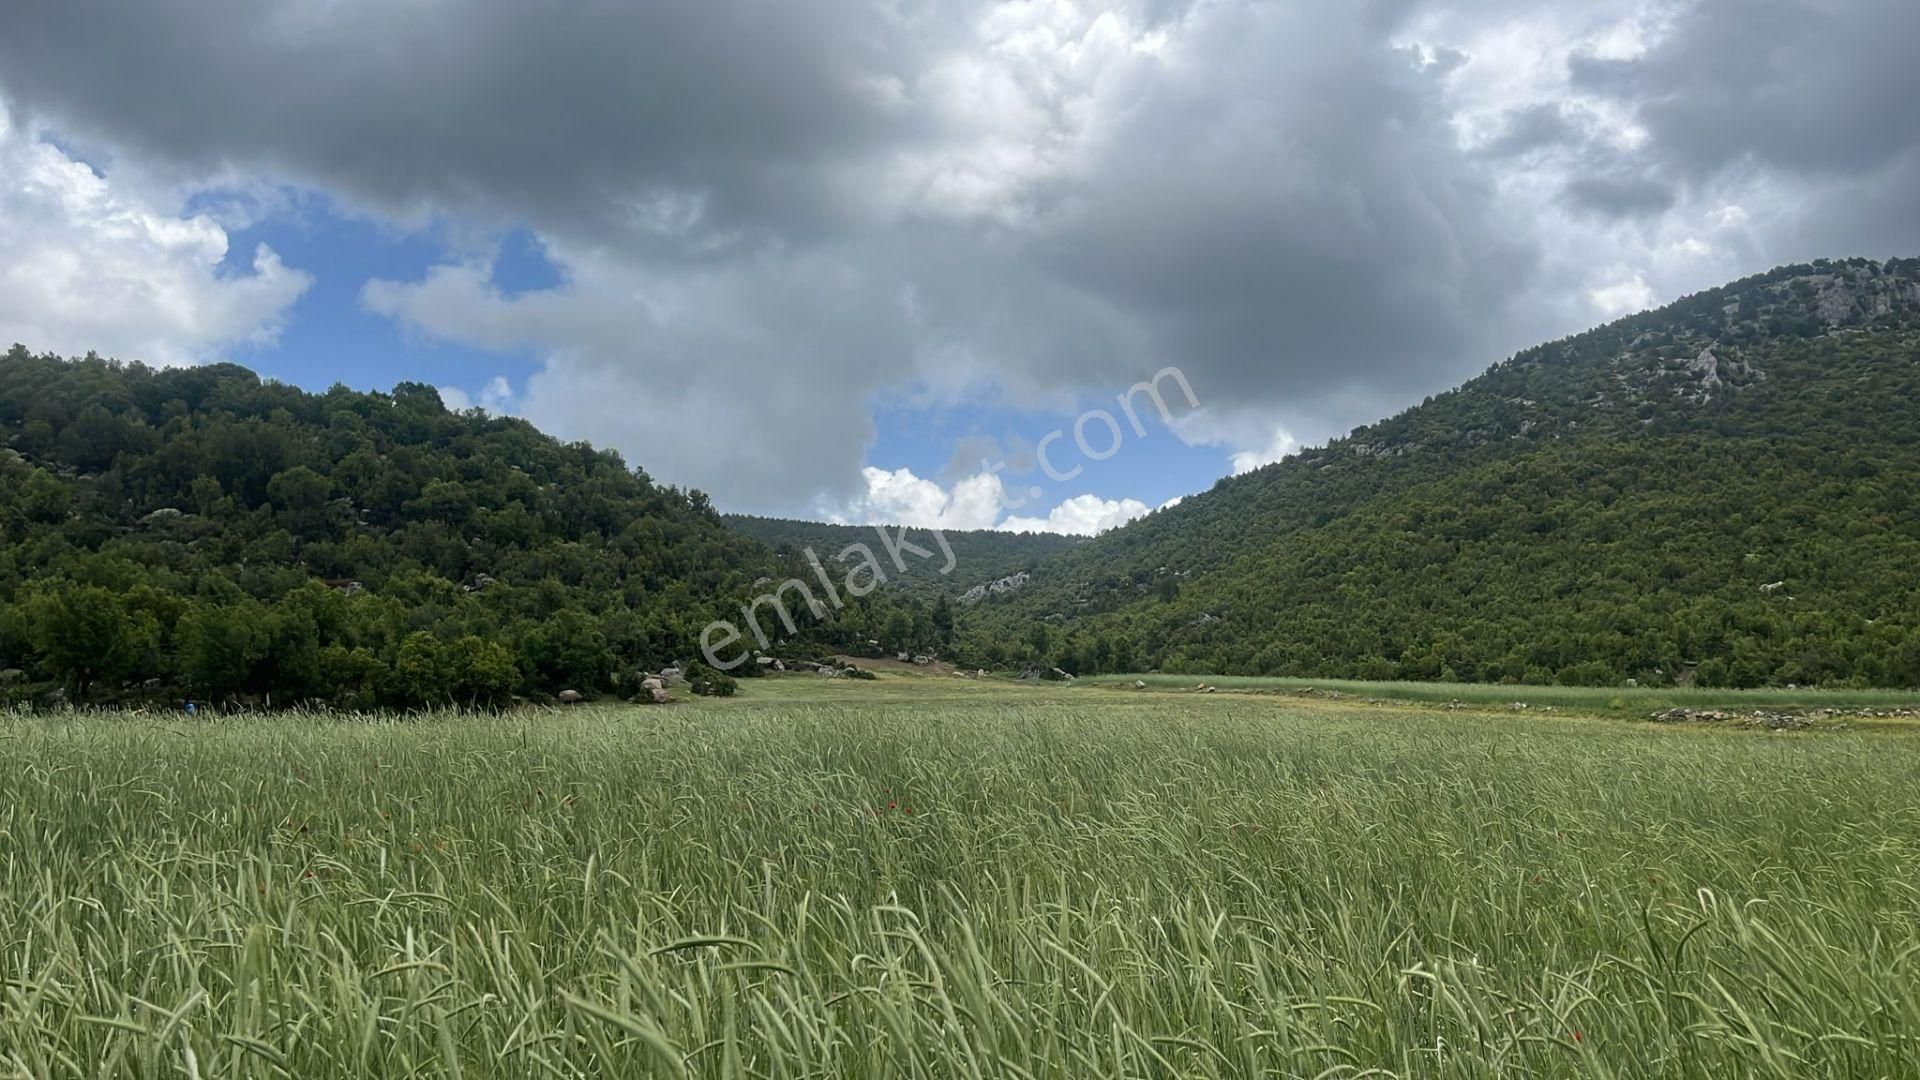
(947, 878)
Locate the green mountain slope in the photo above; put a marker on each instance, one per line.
(1725, 489)
(202, 532)
(982, 557)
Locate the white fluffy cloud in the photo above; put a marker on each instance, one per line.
(1277, 448)
(495, 397)
(1083, 514)
(899, 497)
(1623, 297)
(1252, 439)
(86, 267)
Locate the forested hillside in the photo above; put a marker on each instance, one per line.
(981, 556)
(199, 531)
(1724, 490)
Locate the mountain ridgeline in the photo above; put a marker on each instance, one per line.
(982, 557)
(1723, 491)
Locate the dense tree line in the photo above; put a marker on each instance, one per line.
(200, 533)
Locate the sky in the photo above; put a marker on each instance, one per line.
(860, 260)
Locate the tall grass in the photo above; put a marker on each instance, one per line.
(1086, 885)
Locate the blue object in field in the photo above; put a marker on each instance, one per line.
(190, 709)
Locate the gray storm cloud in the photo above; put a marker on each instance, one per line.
(1814, 95)
(768, 214)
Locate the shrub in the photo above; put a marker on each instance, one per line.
(479, 673)
(707, 682)
(1590, 673)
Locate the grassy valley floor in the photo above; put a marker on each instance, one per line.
(947, 877)
(1596, 700)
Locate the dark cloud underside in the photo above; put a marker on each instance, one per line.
(771, 213)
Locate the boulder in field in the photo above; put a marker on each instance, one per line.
(571, 697)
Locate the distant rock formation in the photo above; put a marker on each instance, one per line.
(1006, 584)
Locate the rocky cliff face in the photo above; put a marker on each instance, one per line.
(996, 587)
